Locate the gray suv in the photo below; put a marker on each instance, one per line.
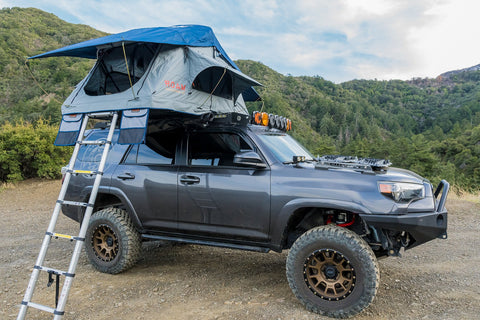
(255, 188)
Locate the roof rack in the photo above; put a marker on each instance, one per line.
(352, 162)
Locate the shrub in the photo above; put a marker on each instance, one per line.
(27, 151)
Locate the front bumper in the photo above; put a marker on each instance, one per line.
(422, 226)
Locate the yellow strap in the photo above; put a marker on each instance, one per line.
(59, 235)
(211, 93)
(82, 171)
(128, 71)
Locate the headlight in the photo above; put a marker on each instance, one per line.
(402, 192)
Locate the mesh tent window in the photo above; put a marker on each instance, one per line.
(215, 80)
(110, 73)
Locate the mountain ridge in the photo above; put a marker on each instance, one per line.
(451, 73)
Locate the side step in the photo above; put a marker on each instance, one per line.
(208, 243)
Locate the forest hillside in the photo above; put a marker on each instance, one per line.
(431, 126)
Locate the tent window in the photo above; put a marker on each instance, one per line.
(110, 75)
(207, 80)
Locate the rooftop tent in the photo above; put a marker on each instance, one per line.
(179, 68)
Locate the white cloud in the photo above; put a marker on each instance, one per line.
(450, 40)
(339, 39)
(266, 9)
(243, 31)
(373, 7)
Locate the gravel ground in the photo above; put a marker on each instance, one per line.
(438, 280)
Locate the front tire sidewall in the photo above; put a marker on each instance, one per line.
(353, 248)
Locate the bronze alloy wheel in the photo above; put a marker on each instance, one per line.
(113, 245)
(332, 271)
(329, 275)
(105, 243)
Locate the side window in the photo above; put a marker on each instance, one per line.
(132, 155)
(214, 149)
(159, 149)
(148, 156)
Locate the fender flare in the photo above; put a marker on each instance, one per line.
(128, 205)
(123, 199)
(280, 224)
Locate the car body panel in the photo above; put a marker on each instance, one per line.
(251, 206)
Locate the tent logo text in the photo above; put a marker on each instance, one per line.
(174, 85)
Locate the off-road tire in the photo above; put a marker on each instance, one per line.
(112, 243)
(359, 265)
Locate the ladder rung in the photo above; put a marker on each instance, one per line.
(64, 236)
(75, 203)
(39, 306)
(93, 142)
(85, 171)
(100, 114)
(55, 271)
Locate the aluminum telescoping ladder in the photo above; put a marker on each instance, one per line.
(61, 299)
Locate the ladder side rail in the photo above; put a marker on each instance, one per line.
(68, 175)
(53, 221)
(86, 219)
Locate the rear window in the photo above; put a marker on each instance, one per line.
(159, 149)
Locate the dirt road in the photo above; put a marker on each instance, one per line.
(438, 280)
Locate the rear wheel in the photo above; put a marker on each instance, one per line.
(333, 271)
(112, 243)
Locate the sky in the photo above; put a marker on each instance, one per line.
(338, 40)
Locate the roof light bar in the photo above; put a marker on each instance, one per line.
(271, 121)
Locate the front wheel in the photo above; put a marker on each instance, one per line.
(333, 271)
(112, 243)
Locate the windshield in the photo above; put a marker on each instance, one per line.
(284, 147)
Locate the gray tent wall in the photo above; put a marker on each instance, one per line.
(168, 84)
(191, 80)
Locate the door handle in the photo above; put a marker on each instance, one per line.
(126, 176)
(189, 179)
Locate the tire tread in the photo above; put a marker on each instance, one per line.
(131, 241)
(349, 239)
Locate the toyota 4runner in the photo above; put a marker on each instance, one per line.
(253, 187)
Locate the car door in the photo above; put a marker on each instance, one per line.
(216, 198)
(148, 176)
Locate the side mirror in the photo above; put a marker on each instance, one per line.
(248, 159)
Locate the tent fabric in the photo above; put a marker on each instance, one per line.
(69, 130)
(180, 35)
(133, 127)
(167, 84)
